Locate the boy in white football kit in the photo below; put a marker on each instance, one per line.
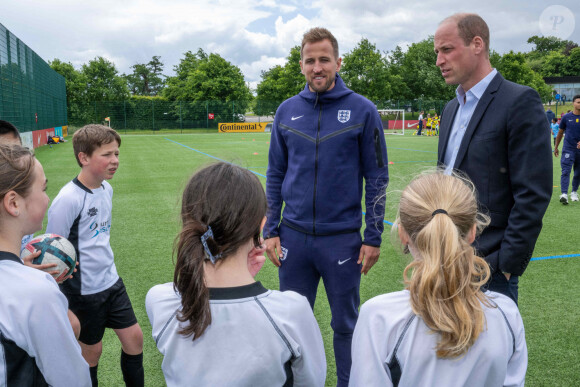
(37, 344)
(81, 212)
(215, 325)
(442, 330)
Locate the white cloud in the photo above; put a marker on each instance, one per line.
(252, 34)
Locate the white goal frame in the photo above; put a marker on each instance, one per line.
(399, 116)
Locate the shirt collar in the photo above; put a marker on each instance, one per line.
(477, 90)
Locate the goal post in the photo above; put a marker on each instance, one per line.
(393, 121)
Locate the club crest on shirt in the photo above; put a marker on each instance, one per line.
(284, 253)
(343, 116)
(567, 155)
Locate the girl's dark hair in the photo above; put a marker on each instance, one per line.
(16, 170)
(231, 201)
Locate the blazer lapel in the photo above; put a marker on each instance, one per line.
(482, 105)
(445, 128)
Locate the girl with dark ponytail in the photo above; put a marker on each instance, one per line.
(444, 329)
(215, 325)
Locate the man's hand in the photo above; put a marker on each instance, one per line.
(578, 145)
(370, 256)
(274, 250)
(556, 153)
(256, 259)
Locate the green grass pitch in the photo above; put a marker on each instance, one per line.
(153, 172)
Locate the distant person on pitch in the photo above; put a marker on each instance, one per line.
(214, 324)
(443, 329)
(555, 128)
(37, 343)
(570, 124)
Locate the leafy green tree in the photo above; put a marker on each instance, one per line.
(513, 67)
(208, 80)
(279, 83)
(554, 64)
(146, 79)
(419, 72)
(365, 71)
(76, 86)
(103, 81)
(545, 44)
(572, 66)
(202, 77)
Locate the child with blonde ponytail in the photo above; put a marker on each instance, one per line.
(214, 324)
(443, 329)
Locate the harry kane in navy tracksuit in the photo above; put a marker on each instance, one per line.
(324, 142)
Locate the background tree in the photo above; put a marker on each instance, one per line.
(514, 68)
(147, 78)
(103, 81)
(546, 44)
(279, 83)
(553, 64)
(422, 77)
(76, 87)
(201, 77)
(365, 71)
(572, 65)
(209, 84)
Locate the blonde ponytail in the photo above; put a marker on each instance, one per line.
(446, 276)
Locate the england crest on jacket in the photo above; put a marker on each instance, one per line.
(343, 116)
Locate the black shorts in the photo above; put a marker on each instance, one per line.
(110, 308)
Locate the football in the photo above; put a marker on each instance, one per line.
(54, 249)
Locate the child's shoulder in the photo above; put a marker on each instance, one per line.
(71, 191)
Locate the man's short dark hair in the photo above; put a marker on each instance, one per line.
(318, 34)
(7, 128)
(470, 25)
(575, 97)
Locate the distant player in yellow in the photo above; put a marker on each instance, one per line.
(429, 123)
(436, 124)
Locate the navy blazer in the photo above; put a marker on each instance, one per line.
(506, 152)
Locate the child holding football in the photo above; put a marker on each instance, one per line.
(214, 324)
(443, 329)
(37, 344)
(81, 212)
(9, 135)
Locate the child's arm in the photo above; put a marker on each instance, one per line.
(51, 339)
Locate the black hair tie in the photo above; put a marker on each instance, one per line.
(439, 211)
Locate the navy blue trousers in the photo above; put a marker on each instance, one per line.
(570, 158)
(500, 284)
(307, 258)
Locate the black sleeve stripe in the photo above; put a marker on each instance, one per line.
(276, 328)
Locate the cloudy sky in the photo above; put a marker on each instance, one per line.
(258, 34)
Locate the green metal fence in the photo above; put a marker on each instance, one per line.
(32, 95)
(158, 114)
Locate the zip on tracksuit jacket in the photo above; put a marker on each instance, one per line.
(322, 145)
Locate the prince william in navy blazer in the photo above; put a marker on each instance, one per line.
(496, 133)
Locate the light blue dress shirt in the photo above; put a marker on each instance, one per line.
(467, 104)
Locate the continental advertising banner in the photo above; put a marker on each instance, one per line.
(242, 127)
